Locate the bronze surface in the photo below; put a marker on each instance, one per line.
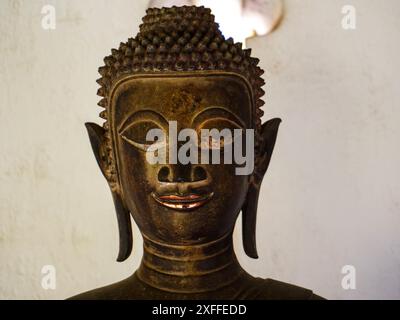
(181, 68)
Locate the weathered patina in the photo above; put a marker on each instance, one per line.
(181, 68)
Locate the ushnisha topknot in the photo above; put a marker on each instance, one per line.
(178, 39)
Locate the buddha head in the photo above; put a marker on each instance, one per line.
(180, 71)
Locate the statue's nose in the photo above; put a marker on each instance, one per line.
(181, 173)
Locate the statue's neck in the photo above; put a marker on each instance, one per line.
(189, 268)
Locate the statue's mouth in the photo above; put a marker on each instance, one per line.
(182, 202)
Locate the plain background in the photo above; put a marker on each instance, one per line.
(330, 198)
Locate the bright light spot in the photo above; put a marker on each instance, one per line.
(228, 14)
(239, 19)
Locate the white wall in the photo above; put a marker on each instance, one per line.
(55, 206)
(330, 197)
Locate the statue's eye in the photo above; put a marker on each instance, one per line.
(217, 133)
(216, 142)
(143, 134)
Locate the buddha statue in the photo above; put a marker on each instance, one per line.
(180, 68)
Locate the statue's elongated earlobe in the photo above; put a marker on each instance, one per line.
(249, 210)
(96, 135)
(249, 220)
(125, 228)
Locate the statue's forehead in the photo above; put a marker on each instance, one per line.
(182, 93)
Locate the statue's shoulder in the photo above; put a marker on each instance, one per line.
(248, 288)
(270, 289)
(124, 290)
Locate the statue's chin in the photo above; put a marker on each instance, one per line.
(185, 219)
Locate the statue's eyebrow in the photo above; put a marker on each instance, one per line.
(141, 115)
(218, 112)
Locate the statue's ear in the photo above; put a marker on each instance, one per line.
(96, 136)
(269, 134)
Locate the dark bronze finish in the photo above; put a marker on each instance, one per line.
(181, 68)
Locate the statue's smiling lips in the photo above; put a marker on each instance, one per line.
(182, 202)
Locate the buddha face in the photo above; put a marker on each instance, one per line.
(174, 202)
